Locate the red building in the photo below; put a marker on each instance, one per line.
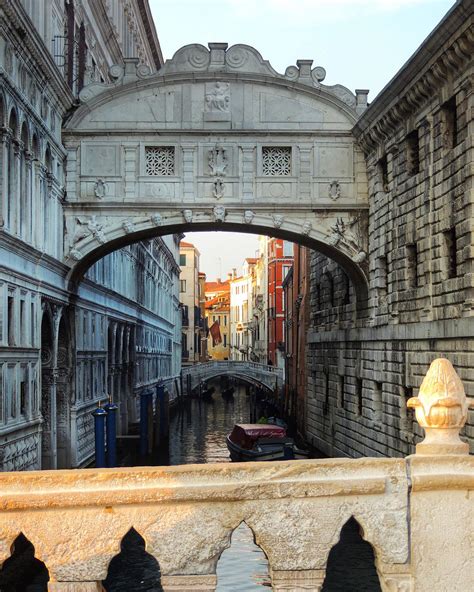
(280, 260)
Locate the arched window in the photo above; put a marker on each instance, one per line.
(12, 171)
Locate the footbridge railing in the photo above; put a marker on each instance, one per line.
(264, 375)
(416, 513)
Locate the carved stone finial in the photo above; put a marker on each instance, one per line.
(441, 409)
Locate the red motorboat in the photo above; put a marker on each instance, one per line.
(255, 441)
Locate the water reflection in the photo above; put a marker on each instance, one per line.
(199, 429)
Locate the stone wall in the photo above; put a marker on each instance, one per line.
(418, 140)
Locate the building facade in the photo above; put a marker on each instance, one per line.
(297, 297)
(193, 331)
(279, 262)
(364, 365)
(62, 351)
(217, 308)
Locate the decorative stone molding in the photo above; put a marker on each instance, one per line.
(248, 216)
(219, 214)
(441, 410)
(100, 188)
(217, 161)
(278, 220)
(334, 190)
(218, 188)
(188, 216)
(89, 226)
(306, 228)
(127, 225)
(156, 219)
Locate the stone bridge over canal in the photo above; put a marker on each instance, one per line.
(261, 375)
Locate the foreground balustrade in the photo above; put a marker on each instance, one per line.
(417, 513)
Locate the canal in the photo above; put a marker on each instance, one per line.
(198, 430)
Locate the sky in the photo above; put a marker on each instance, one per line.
(360, 43)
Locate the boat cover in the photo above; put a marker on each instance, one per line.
(246, 434)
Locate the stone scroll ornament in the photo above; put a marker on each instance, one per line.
(89, 227)
(441, 410)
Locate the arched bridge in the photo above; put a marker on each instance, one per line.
(269, 377)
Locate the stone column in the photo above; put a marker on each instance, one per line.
(298, 581)
(5, 139)
(201, 583)
(75, 587)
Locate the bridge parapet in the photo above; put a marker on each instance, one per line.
(417, 513)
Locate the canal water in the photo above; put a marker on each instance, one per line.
(198, 430)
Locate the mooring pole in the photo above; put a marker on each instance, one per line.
(111, 432)
(99, 430)
(144, 422)
(161, 399)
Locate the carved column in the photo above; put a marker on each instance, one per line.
(75, 587)
(248, 172)
(130, 173)
(201, 583)
(189, 176)
(304, 178)
(5, 139)
(15, 186)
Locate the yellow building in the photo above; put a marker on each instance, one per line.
(217, 310)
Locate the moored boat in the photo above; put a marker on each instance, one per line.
(257, 442)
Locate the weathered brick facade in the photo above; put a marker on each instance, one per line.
(418, 140)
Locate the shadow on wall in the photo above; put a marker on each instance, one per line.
(22, 572)
(351, 563)
(133, 569)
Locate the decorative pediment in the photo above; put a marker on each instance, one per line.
(221, 59)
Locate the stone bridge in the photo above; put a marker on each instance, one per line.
(216, 140)
(262, 375)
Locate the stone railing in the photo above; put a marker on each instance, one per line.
(417, 513)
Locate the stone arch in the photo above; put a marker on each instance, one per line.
(133, 568)
(351, 562)
(13, 122)
(101, 240)
(238, 375)
(22, 570)
(3, 104)
(247, 541)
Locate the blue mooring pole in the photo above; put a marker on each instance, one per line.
(99, 429)
(111, 433)
(144, 421)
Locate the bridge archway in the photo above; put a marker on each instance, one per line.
(216, 140)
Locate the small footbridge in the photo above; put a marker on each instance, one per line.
(261, 375)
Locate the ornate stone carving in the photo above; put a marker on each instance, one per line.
(342, 232)
(9, 58)
(278, 220)
(399, 584)
(219, 213)
(334, 190)
(307, 227)
(100, 188)
(218, 188)
(276, 161)
(89, 226)
(218, 98)
(127, 225)
(441, 409)
(248, 216)
(156, 219)
(160, 161)
(188, 216)
(217, 161)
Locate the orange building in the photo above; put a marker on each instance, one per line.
(217, 311)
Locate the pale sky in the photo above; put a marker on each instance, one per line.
(360, 43)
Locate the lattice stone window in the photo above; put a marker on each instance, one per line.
(159, 160)
(276, 160)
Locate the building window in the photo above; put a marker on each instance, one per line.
(412, 266)
(287, 249)
(342, 391)
(182, 259)
(451, 252)
(450, 123)
(276, 161)
(11, 321)
(225, 339)
(182, 286)
(383, 172)
(159, 161)
(359, 395)
(413, 152)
